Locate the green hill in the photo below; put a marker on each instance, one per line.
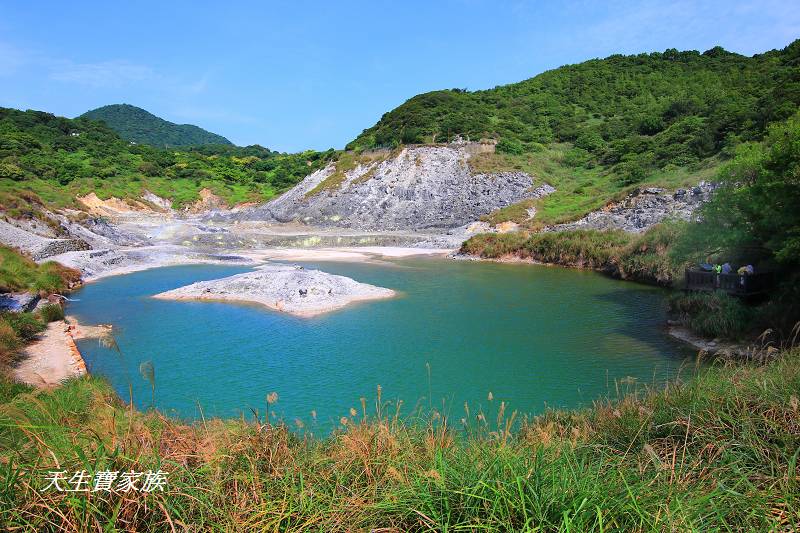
(59, 158)
(634, 114)
(135, 124)
(599, 128)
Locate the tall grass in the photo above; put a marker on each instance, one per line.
(714, 314)
(51, 313)
(645, 257)
(718, 452)
(20, 273)
(16, 329)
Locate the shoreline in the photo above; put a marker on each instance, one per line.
(42, 365)
(159, 256)
(54, 357)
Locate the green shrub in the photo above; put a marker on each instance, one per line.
(25, 325)
(493, 245)
(51, 313)
(588, 249)
(646, 257)
(713, 314)
(650, 257)
(510, 146)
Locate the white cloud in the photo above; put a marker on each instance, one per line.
(103, 74)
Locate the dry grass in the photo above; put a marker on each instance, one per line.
(718, 452)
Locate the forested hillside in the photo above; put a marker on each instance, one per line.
(59, 158)
(137, 125)
(634, 115)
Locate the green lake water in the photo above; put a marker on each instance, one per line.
(534, 336)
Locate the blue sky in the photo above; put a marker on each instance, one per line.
(297, 75)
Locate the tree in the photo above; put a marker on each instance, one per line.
(754, 215)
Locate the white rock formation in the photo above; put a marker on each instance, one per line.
(287, 288)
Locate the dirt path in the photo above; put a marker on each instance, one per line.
(51, 359)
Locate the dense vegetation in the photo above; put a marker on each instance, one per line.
(137, 125)
(59, 159)
(717, 453)
(633, 114)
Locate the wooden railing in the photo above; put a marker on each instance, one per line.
(735, 284)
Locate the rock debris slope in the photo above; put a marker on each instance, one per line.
(421, 187)
(644, 208)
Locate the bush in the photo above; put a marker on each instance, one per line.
(647, 257)
(510, 146)
(588, 249)
(25, 325)
(650, 257)
(51, 313)
(493, 245)
(714, 314)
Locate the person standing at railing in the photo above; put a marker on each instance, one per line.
(744, 271)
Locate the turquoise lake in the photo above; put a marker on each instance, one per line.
(534, 336)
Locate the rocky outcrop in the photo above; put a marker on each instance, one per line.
(644, 208)
(60, 246)
(20, 302)
(291, 289)
(38, 247)
(420, 187)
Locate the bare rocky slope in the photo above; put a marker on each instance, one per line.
(644, 208)
(420, 187)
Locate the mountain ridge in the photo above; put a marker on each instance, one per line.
(138, 125)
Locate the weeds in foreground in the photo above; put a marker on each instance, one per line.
(718, 452)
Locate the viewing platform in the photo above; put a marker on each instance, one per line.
(734, 284)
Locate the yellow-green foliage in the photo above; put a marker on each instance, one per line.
(346, 162)
(718, 452)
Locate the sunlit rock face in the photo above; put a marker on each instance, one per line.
(417, 188)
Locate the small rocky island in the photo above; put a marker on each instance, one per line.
(288, 288)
